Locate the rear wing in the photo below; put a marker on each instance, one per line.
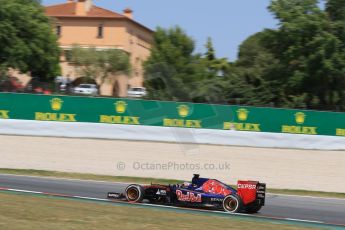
(251, 191)
(261, 192)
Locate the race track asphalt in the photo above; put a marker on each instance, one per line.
(326, 210)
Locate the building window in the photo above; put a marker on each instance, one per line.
(100, 31)
(68, 55)
(131, 40)
(58, 30)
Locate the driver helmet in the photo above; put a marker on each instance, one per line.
(186, 184)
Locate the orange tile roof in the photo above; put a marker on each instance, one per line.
(100, 12)
(69, 10)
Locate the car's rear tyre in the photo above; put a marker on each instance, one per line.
(134, 193)
(253, 208)
(232, 204)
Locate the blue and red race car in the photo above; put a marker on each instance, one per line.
(249, 196)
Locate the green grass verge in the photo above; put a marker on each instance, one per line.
(82, 176)
(37, 212)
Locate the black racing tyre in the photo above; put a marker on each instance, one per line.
(253, 208)
(134, 193)
(232, 204)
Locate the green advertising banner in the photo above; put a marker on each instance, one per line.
(169, 114)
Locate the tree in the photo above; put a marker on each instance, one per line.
(210, 54)
(27, 42)
(172, 69)
(300, 64)
(210, 86)
(175, 72)
(215, 65)
(99, 64)
(250, 80)
(336, 10)
(310, 54)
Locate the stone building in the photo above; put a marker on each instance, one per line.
(80, 22)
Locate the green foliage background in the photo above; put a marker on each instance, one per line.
(27, 41)
(301, 64)
(99, 64)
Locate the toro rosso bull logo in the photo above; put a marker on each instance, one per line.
(214, 187)
(190, 197)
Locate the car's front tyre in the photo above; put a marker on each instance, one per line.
(134, 193)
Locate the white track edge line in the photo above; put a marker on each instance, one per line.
(309, 221)
(23, 191)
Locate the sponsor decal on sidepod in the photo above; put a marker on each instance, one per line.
(247, 186)
(191, 197)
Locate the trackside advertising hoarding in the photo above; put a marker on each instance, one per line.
(169, 114)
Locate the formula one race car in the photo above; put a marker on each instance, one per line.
(200, 193)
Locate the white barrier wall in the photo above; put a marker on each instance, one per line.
(166, 134)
